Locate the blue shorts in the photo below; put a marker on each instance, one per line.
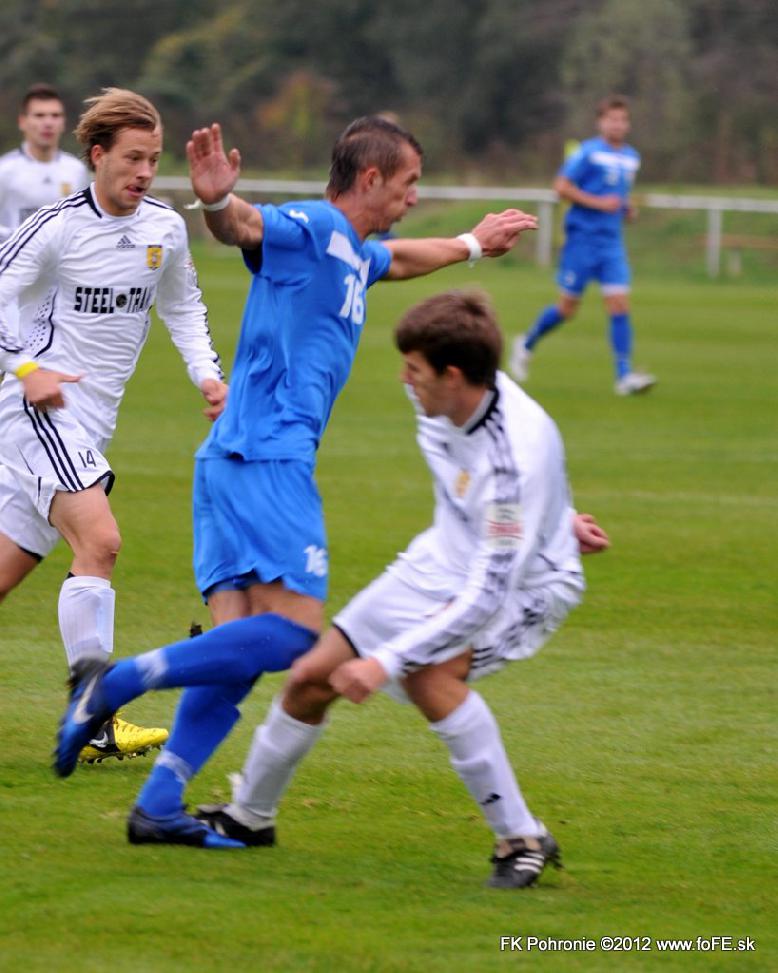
(586, 258)
(258, 521)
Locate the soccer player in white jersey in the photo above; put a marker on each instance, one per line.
(597, 179)
(38, 173)
(487, 583)
(84, 273)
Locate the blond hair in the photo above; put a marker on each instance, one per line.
(108, 113)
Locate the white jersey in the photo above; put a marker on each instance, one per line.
(85, 282)
(26, 184)
(502, 523)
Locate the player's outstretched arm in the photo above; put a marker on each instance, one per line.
(214, 174)
(495, 235)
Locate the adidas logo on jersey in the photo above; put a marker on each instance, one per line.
(125, 243)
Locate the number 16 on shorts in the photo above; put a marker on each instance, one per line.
(316, 561)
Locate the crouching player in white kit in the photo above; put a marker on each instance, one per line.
(487, 583)
(85, 273)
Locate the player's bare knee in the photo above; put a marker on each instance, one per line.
(568, 307)
(109, 542)
(102, 546)
(438, 690)
(302, 673)
(617, 304)
(306, 677)
(422, 684)
(316, 666)
(307, 700)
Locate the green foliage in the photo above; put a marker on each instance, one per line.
(641, 50)
(494, 86)
(195, 83)
(643, 733)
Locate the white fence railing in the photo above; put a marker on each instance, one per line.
(546, 199)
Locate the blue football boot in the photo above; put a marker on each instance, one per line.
(174, 829)
(85, 714)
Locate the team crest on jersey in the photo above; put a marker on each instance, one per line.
(504, 529)
(65, 188)
(153, 257)
(461, 483)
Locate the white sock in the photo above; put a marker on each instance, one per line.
(478, 756)
(280, 743)
(86, 610)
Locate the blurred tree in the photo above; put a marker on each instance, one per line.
(81, 45)
(336, 40)
(735, 66)
(292, 124)
(490, 85)
(464, 76)
(641, 50)
(219, 69)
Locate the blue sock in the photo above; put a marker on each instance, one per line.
(163, 793)
(547, 320)
(204, 717)
(231, 654)
(621, 343)
(220, 666)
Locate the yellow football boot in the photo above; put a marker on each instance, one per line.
(120, 739)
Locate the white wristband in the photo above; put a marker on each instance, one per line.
(472, 244)
(222, 203)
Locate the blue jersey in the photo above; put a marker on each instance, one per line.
(301, 327)
(602, 170)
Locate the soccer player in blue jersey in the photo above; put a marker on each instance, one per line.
(597, 180)
(260, 544)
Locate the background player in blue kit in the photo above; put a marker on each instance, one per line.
(597, 180)
(260, 543)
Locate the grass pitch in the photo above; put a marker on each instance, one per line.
(642, 733)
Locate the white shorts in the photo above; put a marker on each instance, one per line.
(390, 606)
(42, 453)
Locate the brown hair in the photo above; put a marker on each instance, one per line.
(369, 141)
(108, 113)
(454, 328)
(39, 92)
(612, 101)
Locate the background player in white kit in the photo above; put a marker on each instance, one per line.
(37, 173)
(487, 583)
(85, 273)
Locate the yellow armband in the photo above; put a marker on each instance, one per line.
(26, 368)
